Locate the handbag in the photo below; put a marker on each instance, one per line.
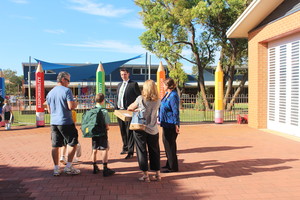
(138, 121)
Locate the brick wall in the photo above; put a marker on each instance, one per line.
(258, 65)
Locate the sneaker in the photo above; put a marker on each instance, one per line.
(63, 160)
(56, 172)
(71, 170)
(108, 172)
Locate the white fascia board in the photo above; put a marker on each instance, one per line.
(254, 14)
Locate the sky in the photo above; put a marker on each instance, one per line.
(70, 31)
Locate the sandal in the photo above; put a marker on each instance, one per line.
(156, 178)
(145, 178)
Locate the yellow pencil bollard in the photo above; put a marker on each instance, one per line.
(219, 110)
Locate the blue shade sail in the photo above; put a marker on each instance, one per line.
(84, 72)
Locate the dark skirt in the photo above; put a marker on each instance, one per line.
(7, 116)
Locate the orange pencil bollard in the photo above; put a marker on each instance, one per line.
(161, 76)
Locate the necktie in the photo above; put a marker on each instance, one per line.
(121, 95)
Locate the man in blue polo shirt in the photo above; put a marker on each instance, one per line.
(60, 102)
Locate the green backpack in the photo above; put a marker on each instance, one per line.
(93, 123)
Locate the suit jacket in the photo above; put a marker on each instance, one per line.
(132, 91)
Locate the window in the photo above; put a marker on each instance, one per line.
(142, 71)
(136, 71)
(49, 72)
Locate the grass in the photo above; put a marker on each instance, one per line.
(31, 118)
(186, 115)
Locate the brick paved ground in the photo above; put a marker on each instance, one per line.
(228, 162)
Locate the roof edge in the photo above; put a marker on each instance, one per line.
(257, 11)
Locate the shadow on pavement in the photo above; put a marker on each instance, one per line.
(212, 149)
(232, 168)
(35, 183)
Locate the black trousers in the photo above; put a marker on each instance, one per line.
(169, 140)
(143, 141)
(127, 136)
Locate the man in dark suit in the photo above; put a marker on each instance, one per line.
(127, 92)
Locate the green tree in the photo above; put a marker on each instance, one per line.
(220, 15)
(13, 82)
(177, 73)
(199, 26)
(171, 28)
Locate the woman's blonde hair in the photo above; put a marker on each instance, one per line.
(150, 91)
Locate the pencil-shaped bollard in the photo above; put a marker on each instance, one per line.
(2, 84)
(161, 76)
(39, 96)
(219, 111)
(2, 93)
(100, 79)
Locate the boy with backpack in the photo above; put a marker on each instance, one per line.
(98, 130)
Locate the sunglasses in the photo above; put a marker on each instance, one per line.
(67, 80)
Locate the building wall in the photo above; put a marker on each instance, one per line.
(258, 64)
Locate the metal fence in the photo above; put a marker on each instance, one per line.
(192, 109)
